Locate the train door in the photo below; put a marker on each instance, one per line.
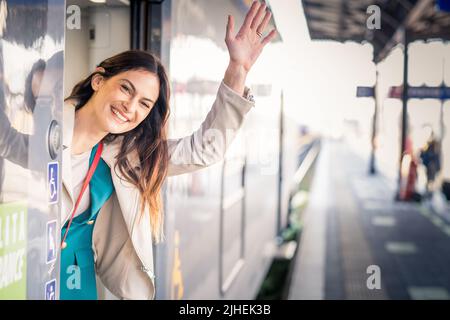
(104, 30)
(31, 72)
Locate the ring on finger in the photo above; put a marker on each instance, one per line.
(259, 33)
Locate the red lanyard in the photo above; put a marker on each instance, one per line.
(85, 184)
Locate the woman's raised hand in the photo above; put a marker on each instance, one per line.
(245, 47)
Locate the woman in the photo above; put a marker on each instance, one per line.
(115, 121)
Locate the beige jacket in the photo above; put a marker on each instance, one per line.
(122, 243)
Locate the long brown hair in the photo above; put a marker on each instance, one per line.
(149, 138)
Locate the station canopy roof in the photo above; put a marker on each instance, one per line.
(345, 20)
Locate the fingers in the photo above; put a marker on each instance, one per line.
(230, 28)
(264, 23)
(269, 37)
(259, 15)
(251, 14)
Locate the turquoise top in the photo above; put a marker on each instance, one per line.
(77, 274)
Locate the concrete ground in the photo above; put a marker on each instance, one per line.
(358, 243)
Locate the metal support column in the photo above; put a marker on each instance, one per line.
(404, 124)
(373, 168)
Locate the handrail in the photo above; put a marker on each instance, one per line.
(306, 164)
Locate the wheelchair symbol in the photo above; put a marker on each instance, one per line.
(52, 182)
(50, 290)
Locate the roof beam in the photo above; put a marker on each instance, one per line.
(414, 15)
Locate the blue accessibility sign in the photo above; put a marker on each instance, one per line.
(50, 290)
(52, 182)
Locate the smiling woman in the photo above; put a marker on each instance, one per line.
(123, 103)
(139, 88)
(127, 97)
(115, 135)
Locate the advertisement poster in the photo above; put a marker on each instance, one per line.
(13, 251)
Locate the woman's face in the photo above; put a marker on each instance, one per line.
(122, 102)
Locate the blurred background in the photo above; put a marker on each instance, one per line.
(337, 186)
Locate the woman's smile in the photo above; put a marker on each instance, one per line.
(119, 116)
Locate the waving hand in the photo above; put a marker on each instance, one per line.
(245, 47)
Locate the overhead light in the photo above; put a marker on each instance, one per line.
(98, 1)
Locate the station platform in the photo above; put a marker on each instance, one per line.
(353, 229)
